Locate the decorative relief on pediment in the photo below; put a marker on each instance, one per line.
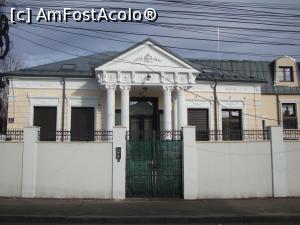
(125, 77)
(147, 59)
(111, 77)
(167, 78)
(182, 79)
(150, 77)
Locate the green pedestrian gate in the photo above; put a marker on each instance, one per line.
(154, 164)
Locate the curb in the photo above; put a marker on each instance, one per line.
(149, 219)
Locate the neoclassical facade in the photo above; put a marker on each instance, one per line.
(147, 87)
(153, 69)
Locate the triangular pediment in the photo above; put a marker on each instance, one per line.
(147, 56)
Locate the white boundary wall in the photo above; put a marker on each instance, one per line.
(91, 170)
(11, 154)
(32, 169)
(241, 169)
(74, 170)
(234, 170)
(292, 152)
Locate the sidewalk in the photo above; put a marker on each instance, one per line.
(149, 210)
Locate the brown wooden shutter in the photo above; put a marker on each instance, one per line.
(198, 118)
(45, 118)
(82, 124)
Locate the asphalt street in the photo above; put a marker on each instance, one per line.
(156, 224)
(281, 211)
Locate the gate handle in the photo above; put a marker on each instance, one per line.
(154, 165)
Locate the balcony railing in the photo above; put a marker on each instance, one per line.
(66, 136)
(291, 134)
(232, 135)
(12, 135)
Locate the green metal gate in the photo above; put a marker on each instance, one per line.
(154, 164)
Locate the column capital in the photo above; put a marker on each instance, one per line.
(125, 88)
(111, 87)
(181, 89)
(167, 88)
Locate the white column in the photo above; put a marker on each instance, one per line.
(167, 108)
(125, 106)
(110, 107)
(181, 108)
(175, 107)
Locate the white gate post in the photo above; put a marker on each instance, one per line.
(190, 174)
(119, 164)
(278, 160)
(29, 161)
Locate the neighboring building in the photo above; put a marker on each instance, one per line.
(147, 87)
(281, 97)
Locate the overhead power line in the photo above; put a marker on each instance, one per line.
(50, 27)
(133, 42)
(147, 66)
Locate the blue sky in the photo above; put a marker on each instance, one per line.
(205, 17)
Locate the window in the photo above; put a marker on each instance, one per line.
(289, 116)
(286, 74)
(199, 119)
(231, 124)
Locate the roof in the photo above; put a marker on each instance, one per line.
(231, 70)
(80, 67)
(245, 71)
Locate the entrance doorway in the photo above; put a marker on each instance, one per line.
(154, 157)
(144, 115)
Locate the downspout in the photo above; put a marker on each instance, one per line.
(215, 112)
(278, 110)
(63, 108)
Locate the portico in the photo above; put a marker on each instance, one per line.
(150, 67)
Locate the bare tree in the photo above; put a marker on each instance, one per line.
(1, 4)
(12, 62)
